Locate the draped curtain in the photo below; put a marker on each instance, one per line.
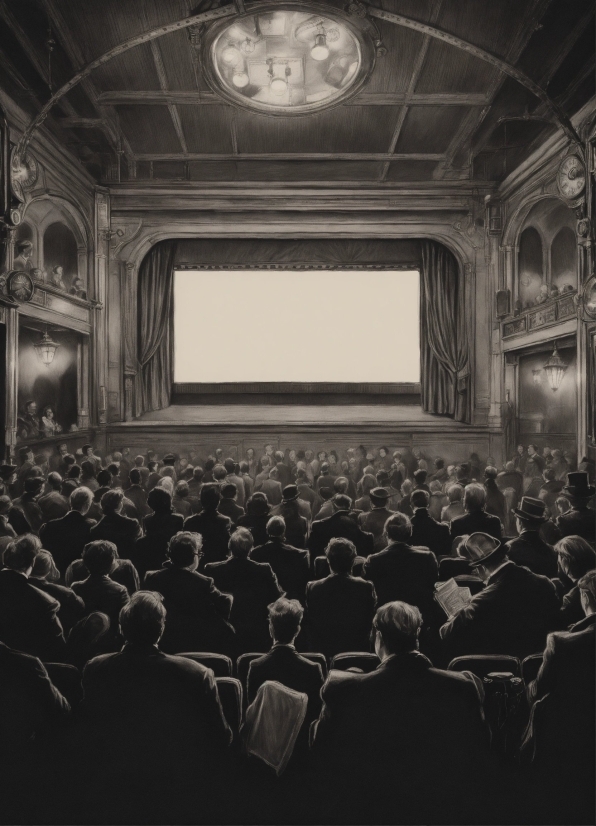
(444, 351)
(155, 340)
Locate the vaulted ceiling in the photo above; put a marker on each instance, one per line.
(430, 111)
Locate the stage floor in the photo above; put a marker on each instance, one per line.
(276, 414)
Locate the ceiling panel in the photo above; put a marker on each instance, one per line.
(207, 128)
(344, 129)
(448, 69)
(307, 171)
(430, 128)
(546, 42)
(149, 129)
(135, 70)
(492, 26)
(411, 171)
(393, 71)
(177, 56)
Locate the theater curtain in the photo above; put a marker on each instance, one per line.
(155, 340)
(444, 351)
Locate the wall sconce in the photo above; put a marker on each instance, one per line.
(46, 349)
(537, 377)
(555, 369)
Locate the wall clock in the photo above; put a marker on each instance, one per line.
(19, 285)
(571, 178)
(24, 175)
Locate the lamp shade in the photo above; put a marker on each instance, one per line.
(555, 369)
(46, 349)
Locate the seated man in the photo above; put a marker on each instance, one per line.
(579, 520)
(99, 592)
(406, 721)
(145, 711)
(529, 548)
(366, 484)
(374, 521)
(283, 663)
(28, 617)
(296, 515)
(272, 488)
(27, 502)
(7, 532)
(425, 531)
(228, 503)
(401, 572)
(455, 494)
(253, 585)
(290, 565)
(512, 615)
(53, 504)
(340, 607)
(342, 524)
(136, 493)
(214, 527)
(114, 526)
(72, 607)
(476, 519)
(495, 501)
(197, 612)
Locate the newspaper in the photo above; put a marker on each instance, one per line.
(451, 597)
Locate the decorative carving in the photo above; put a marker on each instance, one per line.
(583, 228)
(470, 227)
(356, 9)
(512, 328)
(128, 232)
(24, 172)
(541, 317)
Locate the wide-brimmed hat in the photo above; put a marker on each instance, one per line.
(578, 485)
(531, 509)
(379, 494)
(6, 471)
(33, 484)
(479, 547)
(290, 492)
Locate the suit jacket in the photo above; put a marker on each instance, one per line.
(374, 522)
(53, 505)
(578, 522)
(229, 508)
(257, 525)
(164, 525)
(495, 501)
(138, 497)
(101, 593)
(72, 607)
(340, 524)
(511, 615)
(197, 612)
(215, 528)
(480, 521)
(429, 533)
(340, 609)
(17, 519)
(511, 479)
(272, 489)
(29, 701)
(401, 572)
(307, 494)
(290, 565)
(560, 735)
(296, 519)
(253, 586)
(147, 710)
(238, 481)
(119, 529)
(530, 550)
(124, 573)
(405, 720)
(29, 618)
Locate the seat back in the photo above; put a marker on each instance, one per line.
(355, 659)
(230, 696)
(67, 680)
(316, 657)
(218, 663)
(483, 664)
(530, 667)
(472, 582)
(243, 664)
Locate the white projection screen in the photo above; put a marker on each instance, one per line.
(297, 326)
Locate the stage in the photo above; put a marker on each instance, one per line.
(237, 427)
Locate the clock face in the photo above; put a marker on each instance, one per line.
(571, 178)
(20, 286)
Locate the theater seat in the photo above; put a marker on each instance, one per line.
(218, 663)
(483, 664)
(321, 568)
(355, 659)
(244, 660)
(230, 696)
(67, 680)
(530, 667)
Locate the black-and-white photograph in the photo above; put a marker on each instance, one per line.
(298, 473)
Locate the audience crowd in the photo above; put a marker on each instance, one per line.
(128, 581)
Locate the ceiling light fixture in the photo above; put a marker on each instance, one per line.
(320, 51)
(240, 79)
(230, 55)
(46, 349)
(555, 369)
(248, 46)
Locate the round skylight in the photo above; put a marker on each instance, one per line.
(287, 59)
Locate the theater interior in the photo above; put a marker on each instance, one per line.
(143, 139)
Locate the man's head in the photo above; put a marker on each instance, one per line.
(111, 501)
(229, 491)
(210, 497)
(20, 555)
(484, 553)
(135, 476)
(5, 505)
(229, 465)
(530, 514)
(182, 490)
(420, 477)
(562, 504)
(324, 468)
(25, 249)
(87, 469)
(576, 557)
(44, 567)
(341, 502)
(31, 407)
(396, 626)
(68, 487)
(74, 472)
(99, 557)
(219, 473)
(367, 483)
(197, 473)
(548, 474)
(276, 527)
(455, 493)
(439, 464)
(520, 449)
(587, 589)
(80, 500)
(285, 616)
(278, 455)
(341, 485)
(474, 498)
(139, 461)
(241, 543)
(33, 486)
(143, 620)
(420, 499)
(160, 500)
(510, 467)
(244, 468)
(463, 471)
(531, 450)
(379, 497)
(184, 550)
(258, 504)
(490, 472)
(26, 454)
(341, 554)
(435, 486)
(398, 528)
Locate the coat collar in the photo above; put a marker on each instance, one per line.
(409, 661)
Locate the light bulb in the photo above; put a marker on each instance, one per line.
(240, 79)
(230, 56)
(278, 86)
(248, 46)
(320, 51)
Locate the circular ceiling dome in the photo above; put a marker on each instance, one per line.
(291, 59)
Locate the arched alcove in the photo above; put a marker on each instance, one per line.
(531, 266)
(24, 232)
(564, 259)
(60, 249)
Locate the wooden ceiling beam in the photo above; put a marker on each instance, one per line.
(147, 98)
(291, 156)
(163, 82)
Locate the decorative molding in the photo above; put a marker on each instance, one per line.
(375, 388)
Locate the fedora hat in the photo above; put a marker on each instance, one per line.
(479, 547)
(33, 484)
(289, 493)
(6, 471)
(379, 494)
(578, 485)
(531, 509)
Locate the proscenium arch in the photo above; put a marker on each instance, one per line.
(234, 9)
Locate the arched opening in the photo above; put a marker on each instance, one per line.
(564, 259)
(531, 267)
(60, 250)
